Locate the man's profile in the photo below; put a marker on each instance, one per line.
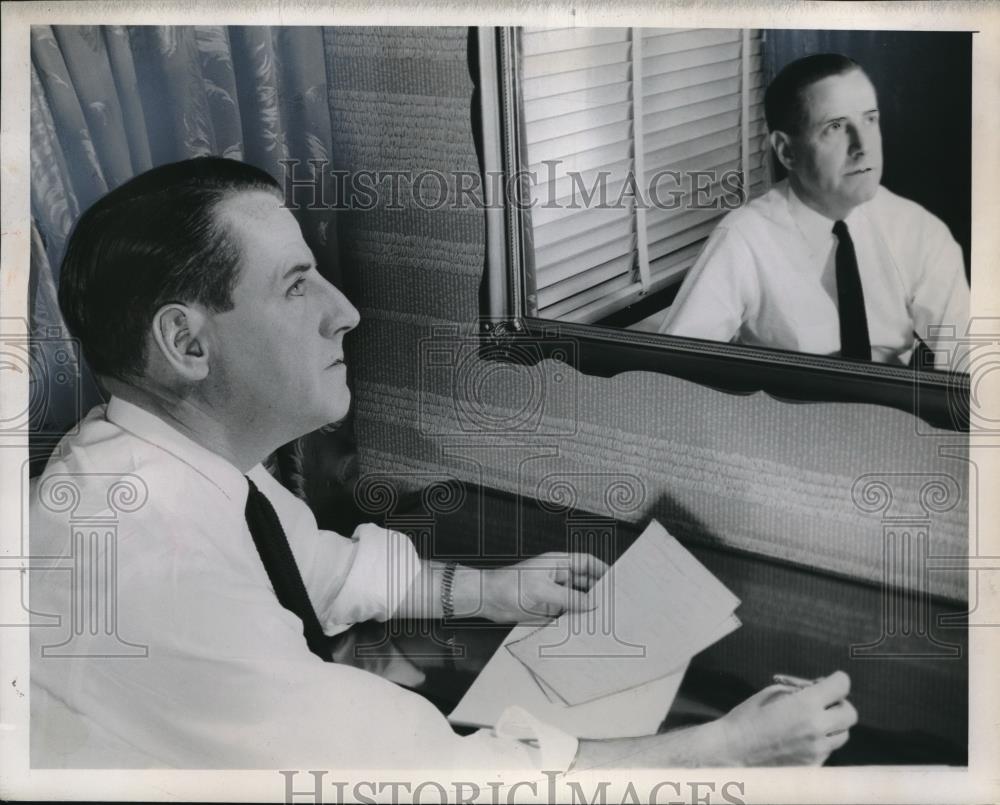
(828, 261)
(201, 309)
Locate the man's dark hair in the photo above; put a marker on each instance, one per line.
(783, 105)
(151, 241)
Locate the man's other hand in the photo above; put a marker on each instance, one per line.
(779, 727)
(540, 588)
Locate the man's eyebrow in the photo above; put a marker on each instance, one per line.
(838, 118)
(298, 268)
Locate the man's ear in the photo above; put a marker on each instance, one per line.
(179, 333)
(782, 145)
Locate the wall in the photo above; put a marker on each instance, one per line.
(749, 472)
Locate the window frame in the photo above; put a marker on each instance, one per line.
(941, 399)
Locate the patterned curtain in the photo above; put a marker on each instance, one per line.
(108, 102)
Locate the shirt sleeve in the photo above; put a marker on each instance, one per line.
(376, 576)
(349, 580)
(711, 303)
(940, 300)
(556, 750)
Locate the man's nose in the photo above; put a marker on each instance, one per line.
(341, 316)
(857, 141)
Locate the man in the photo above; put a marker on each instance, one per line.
(827, 261)
(199, 305)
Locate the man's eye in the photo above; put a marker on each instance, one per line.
(835, 126)
(298, 287)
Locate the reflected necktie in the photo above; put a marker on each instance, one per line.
(279, 562)
(854, 341)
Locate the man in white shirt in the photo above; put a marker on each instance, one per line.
(828, 261)
(199, 305)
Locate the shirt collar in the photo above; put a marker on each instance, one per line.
(151, 428)
(815, 227)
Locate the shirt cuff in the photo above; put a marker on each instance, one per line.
(557, 748)
(384, 566)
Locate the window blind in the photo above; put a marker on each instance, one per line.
(603, 104)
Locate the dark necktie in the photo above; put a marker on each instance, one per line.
(854, 341)
(279, 562)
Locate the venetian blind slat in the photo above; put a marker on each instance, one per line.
(581, 161)
(613, 227)
(553, 41)
(582, 220)
(548, 85)
(576, 289)
(559, 194)
(609, 251)
(664, 185)
(564, 103)
(581, 121)
(581, 307)
(579, 143)
(659, 41)
(695, 76)
(584, 60)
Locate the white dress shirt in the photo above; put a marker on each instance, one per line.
(229, 681)
(767, 277)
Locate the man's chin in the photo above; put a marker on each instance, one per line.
(327, 418)
(333, 417)
(334, 406)
(864, 190)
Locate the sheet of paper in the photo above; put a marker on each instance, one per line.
(730, 624)
(550, 694)
(655, 608)
(505, 681)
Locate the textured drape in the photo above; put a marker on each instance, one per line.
(108, 102)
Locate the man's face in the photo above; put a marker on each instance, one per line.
(836, 159)
(277, 356)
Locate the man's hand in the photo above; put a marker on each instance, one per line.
(539, 588)
(775, 727)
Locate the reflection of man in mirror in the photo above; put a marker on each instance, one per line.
(827, 261)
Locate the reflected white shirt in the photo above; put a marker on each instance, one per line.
(229, 681)
(767, 277)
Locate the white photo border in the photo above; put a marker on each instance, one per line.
(979, 782)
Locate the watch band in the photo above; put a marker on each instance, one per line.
(447, 591)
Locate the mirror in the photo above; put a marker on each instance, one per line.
(629, 147)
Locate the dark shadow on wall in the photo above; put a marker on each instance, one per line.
(924, 85)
